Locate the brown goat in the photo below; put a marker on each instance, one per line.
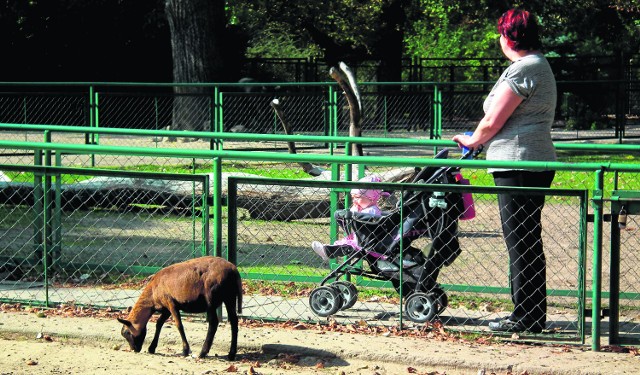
(195, 286)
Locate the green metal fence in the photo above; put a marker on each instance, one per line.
(434, 110)
(71, 234)
(475, 281)
(83, 228)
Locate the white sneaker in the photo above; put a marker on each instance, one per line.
(319, 249)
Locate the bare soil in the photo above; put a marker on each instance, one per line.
(35, 343)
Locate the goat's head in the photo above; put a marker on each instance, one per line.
(135, 337)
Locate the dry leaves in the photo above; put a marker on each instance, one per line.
(232, 368)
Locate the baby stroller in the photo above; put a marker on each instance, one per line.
(386, 252)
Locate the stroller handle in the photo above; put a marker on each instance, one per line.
(472, 153)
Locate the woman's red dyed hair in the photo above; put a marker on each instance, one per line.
(520, 29)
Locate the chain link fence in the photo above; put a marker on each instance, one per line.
(428, 110)
(156, 225)
(74, 236)
(274, 231)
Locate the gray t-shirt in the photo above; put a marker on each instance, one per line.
(527, 133)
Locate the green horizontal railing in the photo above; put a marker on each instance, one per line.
(599, 169)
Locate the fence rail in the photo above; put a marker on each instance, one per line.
(435, 110)
(120, 218)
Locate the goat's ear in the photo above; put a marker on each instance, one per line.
(125, 322)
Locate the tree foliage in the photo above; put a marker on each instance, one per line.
(76, 40)
(120, 40)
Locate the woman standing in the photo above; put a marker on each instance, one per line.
(519, 112)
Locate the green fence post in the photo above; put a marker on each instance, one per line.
(215, 118)
(597, 260)
(57, 215)
(232, 221)
(90, 115)
(334, 203)
(432, 132)
(193, 214)
(38, 222)
(204, 196)
(96, 124)
(219, 143)
(582, 265)
(93, 121)
(330, 126)
(217, 206)
(438, 133)
(47, 216)
(156, 118)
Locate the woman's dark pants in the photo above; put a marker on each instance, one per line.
(520, 215)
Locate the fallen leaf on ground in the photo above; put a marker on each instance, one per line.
(232, 368)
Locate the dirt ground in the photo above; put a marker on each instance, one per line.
(36, 343)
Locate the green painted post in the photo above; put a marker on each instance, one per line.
(194, 253)
(439, 116)
(217, 206)
(582, 265)
(215, 126)
(47, 215)
(220, 142)
(156, 115)
(38, 222)
(331, 111)
(334, 202)
(90, 115)
(93, 105)
(57, 214)
(597, 260)
(96, 136)
(334, 118)
(206, 235)
(232, 221)
(432, 132)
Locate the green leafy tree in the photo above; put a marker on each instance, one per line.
(342, 30)
(90, 40)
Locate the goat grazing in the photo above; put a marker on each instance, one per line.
(194, 286)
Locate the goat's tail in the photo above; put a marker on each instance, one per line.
(239, 294)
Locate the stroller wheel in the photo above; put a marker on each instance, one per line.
(325, 301)
(420, 307)
(348, 291)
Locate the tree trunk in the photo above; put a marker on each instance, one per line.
(389, 47)
(197, 28)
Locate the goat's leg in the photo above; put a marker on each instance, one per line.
(164, 315)
(212, 319)
(176, 317)
(232, 315)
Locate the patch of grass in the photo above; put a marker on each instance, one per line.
(295, 268)
(477, 302)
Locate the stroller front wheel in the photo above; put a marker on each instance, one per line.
(420, 307)
(325, 301)
(348, 291)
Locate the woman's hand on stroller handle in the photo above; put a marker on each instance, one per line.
(468, 146)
